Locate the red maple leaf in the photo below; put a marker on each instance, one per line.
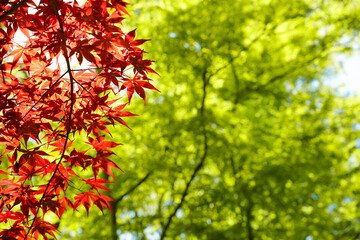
(87, 198)
(137, 84)
(43, 228)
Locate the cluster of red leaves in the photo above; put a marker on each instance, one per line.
(48, 100)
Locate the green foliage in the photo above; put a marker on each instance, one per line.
(244, 141)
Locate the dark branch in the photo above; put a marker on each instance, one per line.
(185, 193)
(12, 9)
(113, 223)
(248, 90)
(356, 236)
(134, 187)
(249, 218)
(199, 165)
(68, 131)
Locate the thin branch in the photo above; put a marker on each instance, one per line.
(159, 212)
(72, 101)
(249, 218)
(113, 223)
(134, 187)
(248, 90)
(202, 108)
(199, 165)
(85, 69)
(185, 193)
(237, 82)
(356, 236)
(12, 9)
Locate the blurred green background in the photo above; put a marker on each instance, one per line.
(246, 140)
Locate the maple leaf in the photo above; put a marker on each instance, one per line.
(89, 197)
(79, 159)
(96, 183)
(102, 201)
(138, 84)
(101, 145)
(85, 199)
(83, 50)
(14, 233)
(18, 217)
(129, 43)
(102, 161)
(120, 6)
(48, 203)
(66, 202)
(43, 228)
(59, 145)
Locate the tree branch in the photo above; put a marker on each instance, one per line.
(12, 9)
(113, 224)
(356, 236)
(72, 101)
(199, 165)
(185, 193)
(237, 82)
(248, 90)
(134, 187)
(249, 218)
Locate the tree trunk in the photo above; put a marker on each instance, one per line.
(113, 225)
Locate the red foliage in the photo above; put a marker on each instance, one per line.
(45, 100)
